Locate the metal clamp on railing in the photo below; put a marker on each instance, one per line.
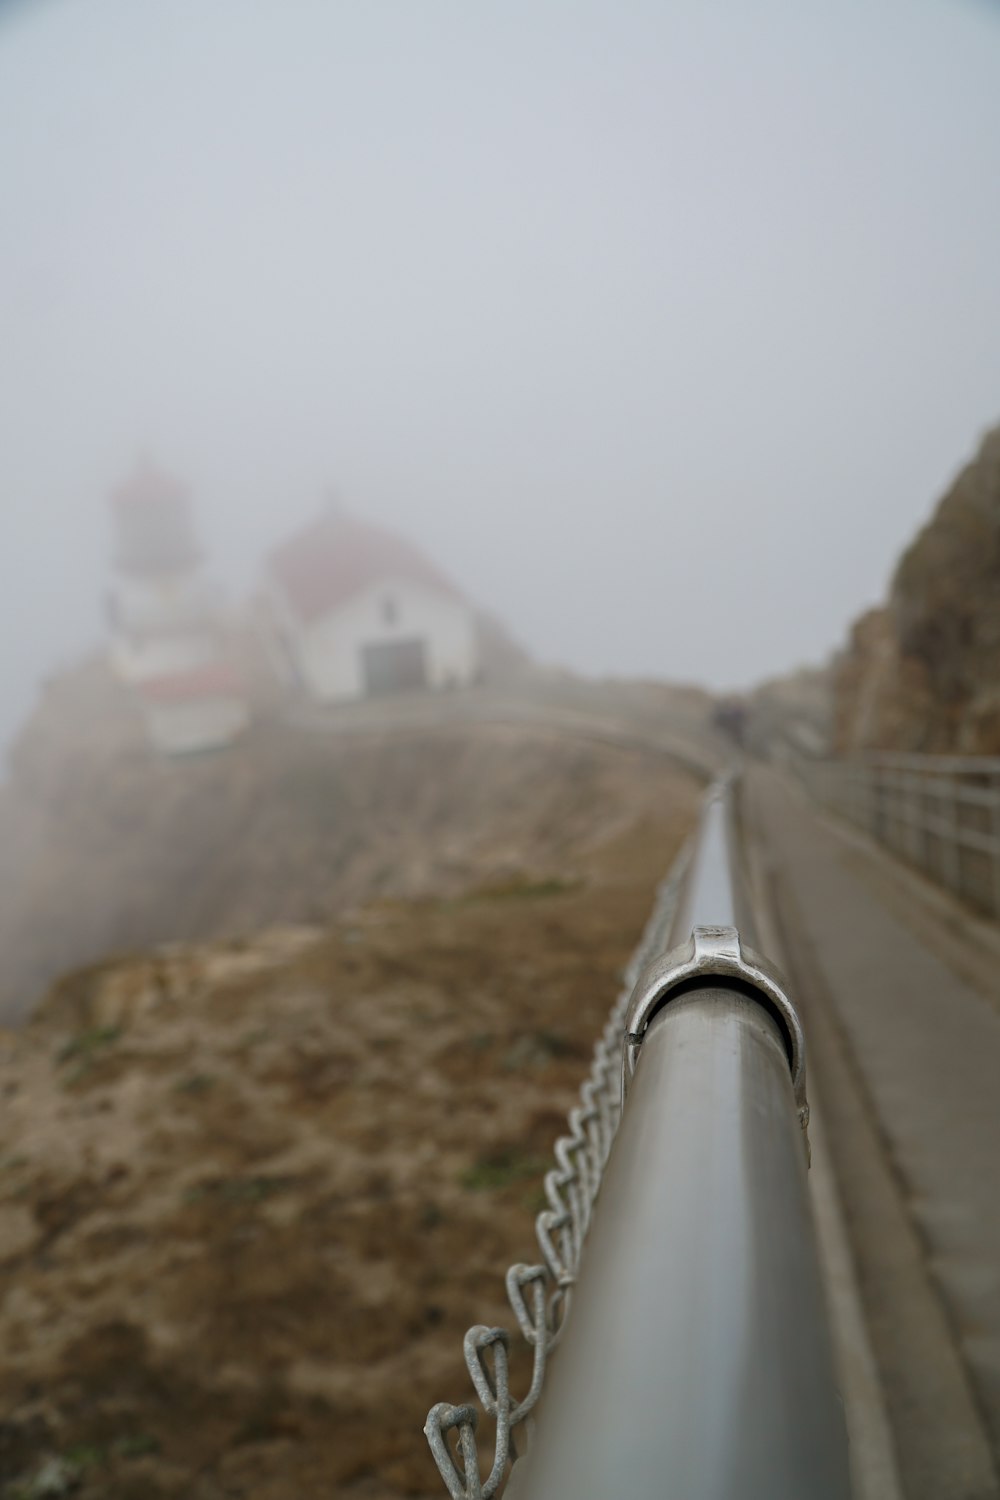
(702, 952)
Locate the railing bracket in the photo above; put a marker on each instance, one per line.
(714, 953)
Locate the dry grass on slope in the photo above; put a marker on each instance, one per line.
(117, 852)
(252, 1195)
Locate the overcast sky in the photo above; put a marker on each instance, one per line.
(660, 325)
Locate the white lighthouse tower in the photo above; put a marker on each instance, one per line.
(168, 641)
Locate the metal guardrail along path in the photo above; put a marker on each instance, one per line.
(938, 812)
(681, 1308)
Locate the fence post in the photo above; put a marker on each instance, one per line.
(995, 856)
(950, 839)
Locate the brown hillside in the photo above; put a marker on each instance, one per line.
(924, 672)
(253, 1193)
(105, 849)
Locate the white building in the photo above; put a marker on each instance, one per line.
(168, 644)
(202, 709)
(355, 611)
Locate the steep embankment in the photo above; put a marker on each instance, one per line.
(253, 1194)
(105, 849)
(923, 673)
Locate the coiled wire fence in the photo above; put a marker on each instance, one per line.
(539, 1295)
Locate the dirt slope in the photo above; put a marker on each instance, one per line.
(104, 848)
(252, 1194)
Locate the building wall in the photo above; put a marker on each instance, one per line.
(188, 725)
(328, 652)
(144, 603)
(138, 659)
(280, 630)
(162, 624)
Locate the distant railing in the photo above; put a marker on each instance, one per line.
(938, 812)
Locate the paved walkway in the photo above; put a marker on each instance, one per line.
(617, 714)
(920, 1046)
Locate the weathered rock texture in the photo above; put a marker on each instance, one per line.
(923, 673)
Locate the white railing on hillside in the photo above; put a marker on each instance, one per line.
(938, 812)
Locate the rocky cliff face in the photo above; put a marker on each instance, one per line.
(923, 672)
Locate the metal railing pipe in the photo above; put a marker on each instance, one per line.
(696, 1363)
(714, 890)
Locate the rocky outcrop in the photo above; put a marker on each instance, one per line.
(923, 673)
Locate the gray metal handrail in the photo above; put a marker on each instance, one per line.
(695, 1363)
(939, 813)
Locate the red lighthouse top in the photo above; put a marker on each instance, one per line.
(152, 523)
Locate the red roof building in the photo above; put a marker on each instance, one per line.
(152, 522)
(169, 644)
(337, 556)
(355, 610)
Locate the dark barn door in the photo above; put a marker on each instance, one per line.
(394, 666)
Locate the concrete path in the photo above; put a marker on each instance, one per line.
(907, 1057)
(615, 714)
